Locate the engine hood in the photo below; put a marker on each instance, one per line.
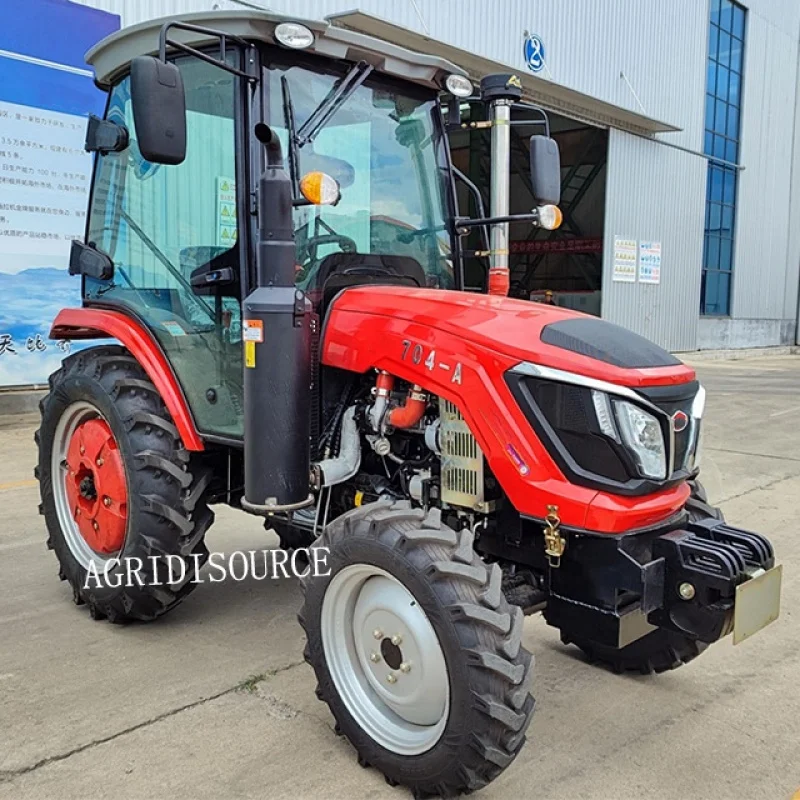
(524, 331)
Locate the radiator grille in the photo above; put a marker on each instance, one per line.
(462, 459)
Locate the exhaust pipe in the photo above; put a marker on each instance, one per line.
(276, 329)
(500, 92)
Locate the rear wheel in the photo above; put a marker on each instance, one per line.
(660, 650)
(416, 651)
(118, 489)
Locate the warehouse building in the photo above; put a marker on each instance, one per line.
(678, 128)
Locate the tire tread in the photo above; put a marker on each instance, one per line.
(495, 660)
(173, 511)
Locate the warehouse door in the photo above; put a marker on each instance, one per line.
(568, 262)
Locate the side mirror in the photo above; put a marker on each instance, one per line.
(545, 171)
(86, 259)
(159, 110)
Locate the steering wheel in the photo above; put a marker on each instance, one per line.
(307, 255)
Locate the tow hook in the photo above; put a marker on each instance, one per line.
(554, 543)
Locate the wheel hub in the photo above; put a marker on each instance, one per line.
(95, 486)
(389, 624)
(385, 659)
(392, 654)
(87, 488)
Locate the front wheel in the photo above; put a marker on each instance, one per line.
(416, 651)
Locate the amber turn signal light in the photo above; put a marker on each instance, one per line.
(550, 217)
(320, 189)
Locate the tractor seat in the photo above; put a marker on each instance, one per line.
(340, 271)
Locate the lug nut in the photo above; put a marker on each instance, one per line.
(83, 450)
(95, 525)
(391, 678)
(405, 667)
(686, 591)
(377, 633)
(106, 501)
(397, 640)
(374, 658)
(99, 462)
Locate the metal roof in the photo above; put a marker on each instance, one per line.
(548, 94)
(111, 57)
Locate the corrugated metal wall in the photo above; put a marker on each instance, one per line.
(588, 43)
(762, 264)
(791, 309)
(653, 191)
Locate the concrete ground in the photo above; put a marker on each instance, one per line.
(214, 699)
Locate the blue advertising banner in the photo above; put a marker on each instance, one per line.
(46, 94)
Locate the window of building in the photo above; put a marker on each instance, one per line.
(723, 113)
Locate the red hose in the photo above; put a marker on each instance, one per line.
(408, 414)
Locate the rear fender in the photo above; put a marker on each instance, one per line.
(92, 323)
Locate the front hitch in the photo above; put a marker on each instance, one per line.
(703, 581)
(706, 571)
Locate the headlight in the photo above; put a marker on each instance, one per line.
(459, 85)
(605, 416)
(294, 35)
(609, 436)
(641, 433)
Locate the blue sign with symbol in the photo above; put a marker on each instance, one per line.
(534, 52)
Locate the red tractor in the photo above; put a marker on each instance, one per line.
(273, 239)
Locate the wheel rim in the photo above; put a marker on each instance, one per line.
(89, 485)
(373, 627)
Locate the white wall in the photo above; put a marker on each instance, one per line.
(661, 47)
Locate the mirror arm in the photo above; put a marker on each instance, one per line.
(466, 223)
(545, 120)
(105, 136)
(478, 198)
(164, 40)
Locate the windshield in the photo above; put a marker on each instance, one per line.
(384, 148)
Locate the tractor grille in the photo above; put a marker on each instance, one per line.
(564, 417)
(462, 459)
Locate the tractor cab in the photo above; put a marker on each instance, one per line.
(174, 205)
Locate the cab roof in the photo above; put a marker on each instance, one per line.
(111, 57)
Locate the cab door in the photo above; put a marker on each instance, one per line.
(172, 232)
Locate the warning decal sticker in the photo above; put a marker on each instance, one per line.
(253, 330)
